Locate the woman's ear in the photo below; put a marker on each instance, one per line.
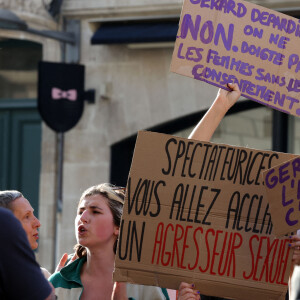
(116, 230)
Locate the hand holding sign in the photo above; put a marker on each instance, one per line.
(295, 244)
(229, 97)
(188, 292)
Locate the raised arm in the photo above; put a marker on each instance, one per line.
(205, 129)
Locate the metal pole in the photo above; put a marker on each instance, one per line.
(59, 192)
(60, 160)
(70, 54)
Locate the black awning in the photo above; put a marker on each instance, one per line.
(135, 32)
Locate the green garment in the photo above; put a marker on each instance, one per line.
(68, 285)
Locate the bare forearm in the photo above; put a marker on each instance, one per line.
(205, 129)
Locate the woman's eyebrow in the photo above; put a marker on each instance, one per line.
(95, 206)
(89, 206)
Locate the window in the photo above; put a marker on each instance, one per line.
(18, 68)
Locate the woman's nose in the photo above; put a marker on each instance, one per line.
(84, 216)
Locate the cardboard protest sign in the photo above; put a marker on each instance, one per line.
(283, 194)
(196, 212)
(240, 42)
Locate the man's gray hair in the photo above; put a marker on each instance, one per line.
(7, 197)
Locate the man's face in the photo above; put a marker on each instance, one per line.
(24, 213)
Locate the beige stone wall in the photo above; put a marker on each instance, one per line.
(250, 128)
(35, 15)
(33, 12)
(97, 4)
(296, 144)
(98, 8)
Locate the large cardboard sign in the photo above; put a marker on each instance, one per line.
(196, 212)
(236, 41)
(283, 194)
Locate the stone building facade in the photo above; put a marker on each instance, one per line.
(134, 91)
(18, 95)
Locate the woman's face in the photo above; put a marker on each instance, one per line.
(94, 224)
(23, 211)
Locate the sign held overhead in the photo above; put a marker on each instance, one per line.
(235, 41)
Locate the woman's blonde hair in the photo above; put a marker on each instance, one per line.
(115, 199)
